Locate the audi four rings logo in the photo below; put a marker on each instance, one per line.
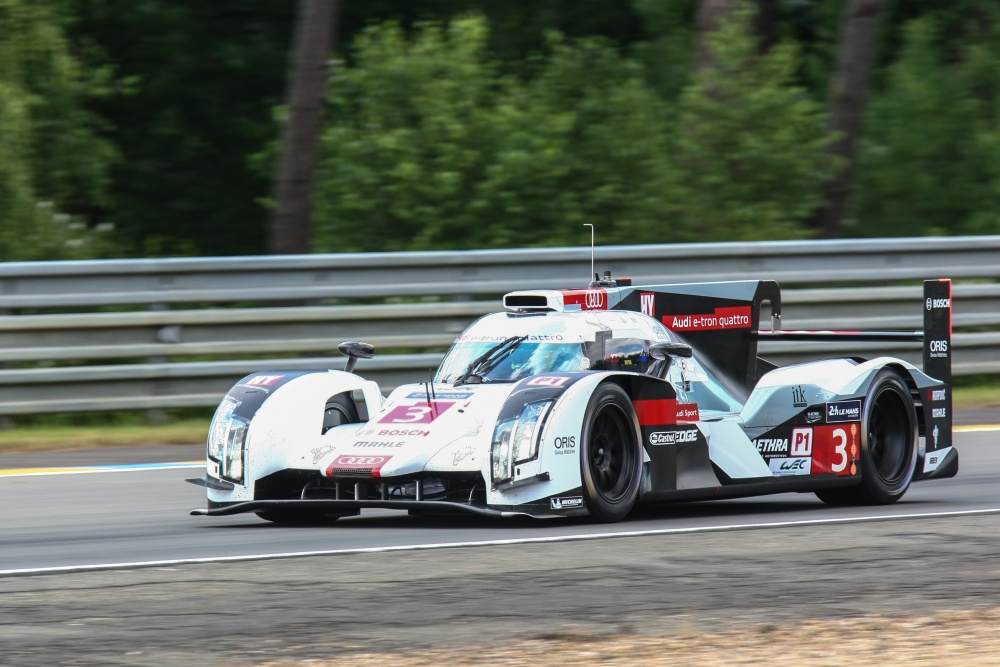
(360, 460)
(595, 299)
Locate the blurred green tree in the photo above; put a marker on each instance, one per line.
(747, 154)
(54, 161)
(203, 79)
(429, 145)
(930, 161)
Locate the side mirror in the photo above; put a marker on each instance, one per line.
(661, 351)
(355, 350)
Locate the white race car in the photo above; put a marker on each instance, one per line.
(587, 402)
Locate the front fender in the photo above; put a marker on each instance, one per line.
(285, 415)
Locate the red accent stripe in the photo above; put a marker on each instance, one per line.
(665, 411)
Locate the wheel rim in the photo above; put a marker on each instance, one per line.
(889, 436)
(611, 455)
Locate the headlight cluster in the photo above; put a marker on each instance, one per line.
(516, 440)
(227, 439)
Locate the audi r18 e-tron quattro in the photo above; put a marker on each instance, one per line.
(589, 402)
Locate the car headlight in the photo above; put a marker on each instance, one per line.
(217, 434)
(501, 450)
(516, 440)
(227, 440)
(235, 458)
(525, 441)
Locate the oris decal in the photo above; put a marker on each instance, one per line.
(938, 349)
(843, 411)
(565, 444)
(673, 437)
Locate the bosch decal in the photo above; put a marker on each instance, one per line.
(938, 303)
(843, 411)
(401, 433)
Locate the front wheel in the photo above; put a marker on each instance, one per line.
(611, 456)
(888, 445)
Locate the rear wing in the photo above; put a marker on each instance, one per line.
(723, 321)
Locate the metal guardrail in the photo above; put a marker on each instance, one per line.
(134, 334)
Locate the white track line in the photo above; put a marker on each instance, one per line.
(492, 543)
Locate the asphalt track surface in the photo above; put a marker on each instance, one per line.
(107, 568)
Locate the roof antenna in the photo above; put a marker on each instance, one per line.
(587, 224)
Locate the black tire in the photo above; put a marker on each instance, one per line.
(340, 410)
(611, 456)
(888, 445)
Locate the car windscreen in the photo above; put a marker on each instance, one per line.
(512, 363)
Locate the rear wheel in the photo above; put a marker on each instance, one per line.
(888, 445)
(611, 460)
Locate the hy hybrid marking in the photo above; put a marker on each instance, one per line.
(493, 543)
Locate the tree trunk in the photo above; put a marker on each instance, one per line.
(848, 96)
(307, 79)
(711, 15)
(766, 24)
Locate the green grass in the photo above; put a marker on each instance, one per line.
(40, 437)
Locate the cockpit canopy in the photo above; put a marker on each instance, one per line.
(509, 347)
